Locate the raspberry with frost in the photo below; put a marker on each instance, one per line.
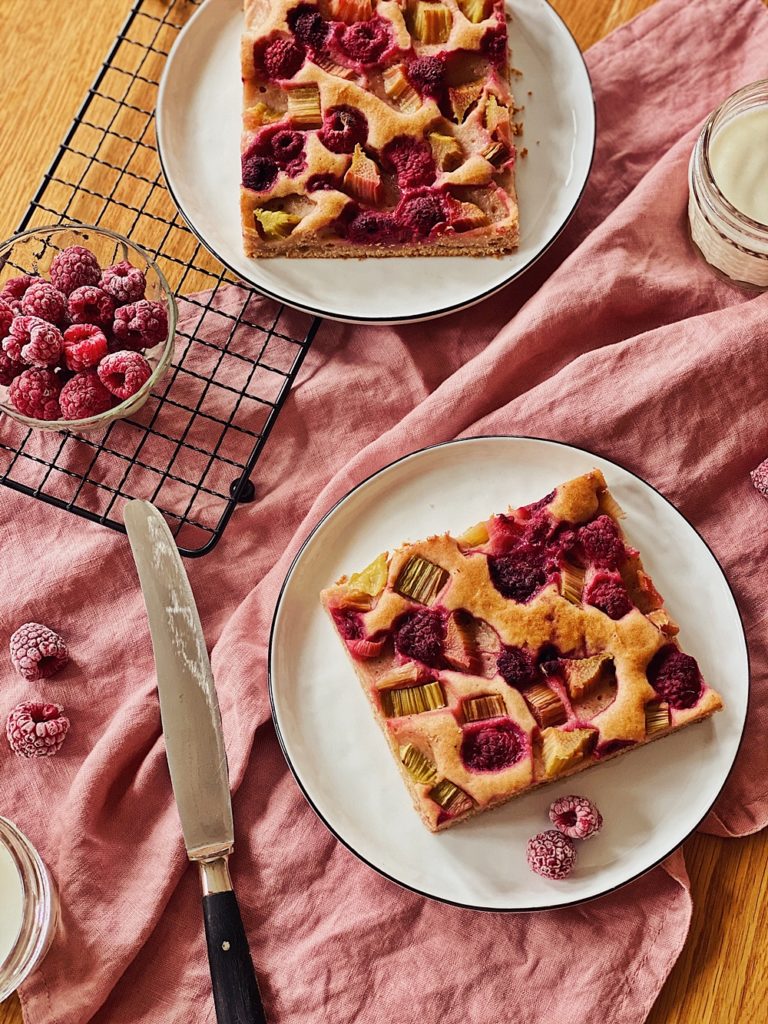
(551, 855)
(576, 817)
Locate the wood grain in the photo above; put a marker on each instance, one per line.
(719, 977)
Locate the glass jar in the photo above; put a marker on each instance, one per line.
(729, 240)
(32, 909)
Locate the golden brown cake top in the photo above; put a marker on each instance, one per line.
(376, 122)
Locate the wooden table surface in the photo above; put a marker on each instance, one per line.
(719, 978)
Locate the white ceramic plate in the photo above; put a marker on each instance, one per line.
(198, 131)
(651, 799)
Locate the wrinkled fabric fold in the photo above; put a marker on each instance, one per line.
(620, 340)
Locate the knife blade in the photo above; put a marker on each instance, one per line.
(197, 759)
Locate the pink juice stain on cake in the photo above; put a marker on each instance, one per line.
(410, 160)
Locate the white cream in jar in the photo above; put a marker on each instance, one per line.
(728, 187)
(11, 902)
(738, 156)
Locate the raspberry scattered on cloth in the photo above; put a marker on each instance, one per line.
(627, 340)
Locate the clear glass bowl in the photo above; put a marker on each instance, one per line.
(32, 252)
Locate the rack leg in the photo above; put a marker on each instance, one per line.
(247, 493)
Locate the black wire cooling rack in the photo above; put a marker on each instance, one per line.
(192, 448)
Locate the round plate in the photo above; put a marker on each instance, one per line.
(651, 799)
(198, 137)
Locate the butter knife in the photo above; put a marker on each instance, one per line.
(197, 759)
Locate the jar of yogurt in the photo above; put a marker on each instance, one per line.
(728, 187)
(29, 908)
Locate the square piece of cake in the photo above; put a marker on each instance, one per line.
(377, 128)
(527, 649)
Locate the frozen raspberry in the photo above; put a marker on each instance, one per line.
(259, 172)
(576, 817)
(43, 300)
(411, 160)
(35, 393)
(14, 288)
(36, 730)
(516, 667)
(519, 574)
(282, 58)
(33, 341)
(43, 347)
(421, 213)
(491, 747)
(675, 677)
(551, 854)
(83, 346)
(370, 227)
(91, 305)
(19, 335)
(601, 542)
(494, 46)
(7, 314)
(365, 41)
(124, 373)
(83, 396)
(343, 128)
(608, 594)
(309, 26)
(124, 282)
(141, 324)
(427, 75)
(420, 636)
(37, 652)
(73, 268)
(9, 368)
(759, 478)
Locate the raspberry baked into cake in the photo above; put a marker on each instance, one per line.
(377, 128)
(528, 649)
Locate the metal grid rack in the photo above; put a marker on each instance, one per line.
(192, 448)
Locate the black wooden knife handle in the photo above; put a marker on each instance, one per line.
(235, 990)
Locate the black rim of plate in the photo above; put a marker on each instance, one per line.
(382, 320)
(321, 816)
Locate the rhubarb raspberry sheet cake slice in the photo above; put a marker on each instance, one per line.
(527, 649)
(377, 128)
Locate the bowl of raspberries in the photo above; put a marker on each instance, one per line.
(87, 325)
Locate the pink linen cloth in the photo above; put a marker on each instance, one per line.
(621, 341)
